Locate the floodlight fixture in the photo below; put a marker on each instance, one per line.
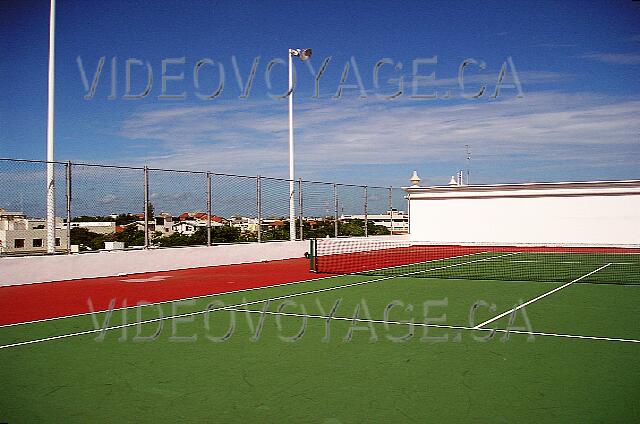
(303, 54)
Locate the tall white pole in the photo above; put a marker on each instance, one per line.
(51, 189)
(292, 203)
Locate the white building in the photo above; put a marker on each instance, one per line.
(19, 235)
(575, 213)
(189, 227)
(186, 228)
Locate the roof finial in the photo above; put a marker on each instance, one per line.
(415, 180)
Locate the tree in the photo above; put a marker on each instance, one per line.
(351, 228)
(224, 234)
(175, 239)
(276, 233)
(130, 236)
(150, 209)
(377, 230)
(85, 218)
(87, 240)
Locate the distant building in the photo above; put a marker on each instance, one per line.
(397, 222)
(244, 223)
(162, 223)
(200, 216)
(19, 234)
(186, 228)
(107, 227)
(190, 226)
(273, 223)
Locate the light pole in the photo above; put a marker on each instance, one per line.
(51, 190)
(303, 54)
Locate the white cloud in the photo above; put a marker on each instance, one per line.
(474, 78)
(546, 129)
(556, 45)
(615, 58)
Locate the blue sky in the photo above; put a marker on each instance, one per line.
(575, 114)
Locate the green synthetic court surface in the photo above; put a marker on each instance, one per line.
(294, 353)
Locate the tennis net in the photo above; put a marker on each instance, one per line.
(553, 263)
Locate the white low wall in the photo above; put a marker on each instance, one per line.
(571, 213)
(38, 269)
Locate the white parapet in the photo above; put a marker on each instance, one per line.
(598, 212)
(38, 269)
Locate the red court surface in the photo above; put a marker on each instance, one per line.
(48, 300)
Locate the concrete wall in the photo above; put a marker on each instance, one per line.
(37, 269)
(572, 213)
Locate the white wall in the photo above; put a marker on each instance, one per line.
(573, 213)
(37, 269)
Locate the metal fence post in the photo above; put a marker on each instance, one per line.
(391, 207)
(68, 198)
(259, 206)
(335, 216)
(366, 211)
(146, 207)
(209, 207)
(300, 205)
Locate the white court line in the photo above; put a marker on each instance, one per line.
(167, 301)
(539, 297)
(452, 327)
(188, 298)
(188, 314)
(571, 262)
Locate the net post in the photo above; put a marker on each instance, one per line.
(209, 208)
(366, 211)
(335, 212)
(259, 206)
(146, 206)
(68, 198)
(313, 267)
(300, 204)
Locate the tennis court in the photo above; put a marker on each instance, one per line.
(403, 343)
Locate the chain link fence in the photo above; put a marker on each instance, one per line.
(115, 207)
